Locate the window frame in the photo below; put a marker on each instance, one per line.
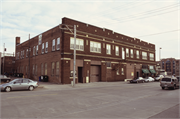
(127, 52)
(117, 50)
(42, 49)
(108, 49)
(144, 55)
(132, 53)
(46, 48)
(94, 45)
(77, 44)
(37, 50)
(137, 54)
(58, 44)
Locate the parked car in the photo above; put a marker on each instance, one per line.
(19, 84)
(4, 78)
(149, 79)
(169, 82)
(138, 80)
(158, 78)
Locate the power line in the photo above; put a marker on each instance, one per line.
(145, 13)
(159, 33)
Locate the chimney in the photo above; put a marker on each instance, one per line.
(17, 40)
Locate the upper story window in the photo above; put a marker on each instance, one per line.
(37, 50)
(117, 50)
(79, 44)
(34, 50)
(151, 56)
(108, 49)
(144, 55)
(137, 54)
(127, 52)
(23, 54)
(123, 54)
(27, 53)
(17, 55)
(53, 45)
(108, 64)
(132, 55)
(43, 48)
(40, 39)
(58, 44)
(46, 50)
(95, 47)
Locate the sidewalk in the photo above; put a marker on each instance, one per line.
(52, 86)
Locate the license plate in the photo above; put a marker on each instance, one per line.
(165, 85)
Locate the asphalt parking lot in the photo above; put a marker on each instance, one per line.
(94, 100)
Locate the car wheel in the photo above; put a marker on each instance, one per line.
(31, 88)
(163, 88)
(8, 89)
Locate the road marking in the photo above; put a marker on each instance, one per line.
(31, 96)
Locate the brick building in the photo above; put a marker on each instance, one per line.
(170, 65)
(102, 55)
(8, 66)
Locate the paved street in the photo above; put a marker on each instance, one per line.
(96, 100)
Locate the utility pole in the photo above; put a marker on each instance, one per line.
(74, 67)
(160, 57)
(74, 56)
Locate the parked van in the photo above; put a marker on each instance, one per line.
(169, 82)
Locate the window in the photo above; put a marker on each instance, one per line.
(45, 67)
(27, 53)
(127, 52)
(40, 39)
(108, 49)
(57, 68)
(53, 45)
(117, 72)
(95, 47)
(23, 53)
(52, 69)
(36, 69)
(123, 54)
(151, 56)
(43, 48)
(144, 55)
(122, 71)
(108, 64)
(34, 50)
(132, 53)
(42, 69)
(137, 54)
(117, 50)
(46, 50)
(33, 69)
(37, 50)
(79, 44)
(58, 44)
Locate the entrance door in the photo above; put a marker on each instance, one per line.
(137, 74)
(95, 74)
(80, 78)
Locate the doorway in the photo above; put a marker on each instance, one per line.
(80, 77)
(137, 74)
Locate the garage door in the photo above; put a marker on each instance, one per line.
(95, 74)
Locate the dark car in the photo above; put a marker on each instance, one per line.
(138, 80)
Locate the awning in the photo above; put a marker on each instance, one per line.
(146, 71)
(152, 71)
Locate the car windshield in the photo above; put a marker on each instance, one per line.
(13, 81)
(166, 79)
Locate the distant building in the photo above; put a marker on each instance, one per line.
(102, 55)
(8, 66)
(170, 65)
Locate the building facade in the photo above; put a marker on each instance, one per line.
(101, 55)
(170, 65)
(7, 65)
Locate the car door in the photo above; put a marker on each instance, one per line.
(25, 84)
(17, 84)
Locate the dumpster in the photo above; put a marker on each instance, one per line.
(44, 78)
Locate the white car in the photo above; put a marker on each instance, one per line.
(159, 77)
(149, 79)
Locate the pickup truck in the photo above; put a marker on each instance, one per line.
(4, 79)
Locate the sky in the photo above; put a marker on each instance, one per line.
(153, 21)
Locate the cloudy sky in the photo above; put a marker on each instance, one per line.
(153, 21)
